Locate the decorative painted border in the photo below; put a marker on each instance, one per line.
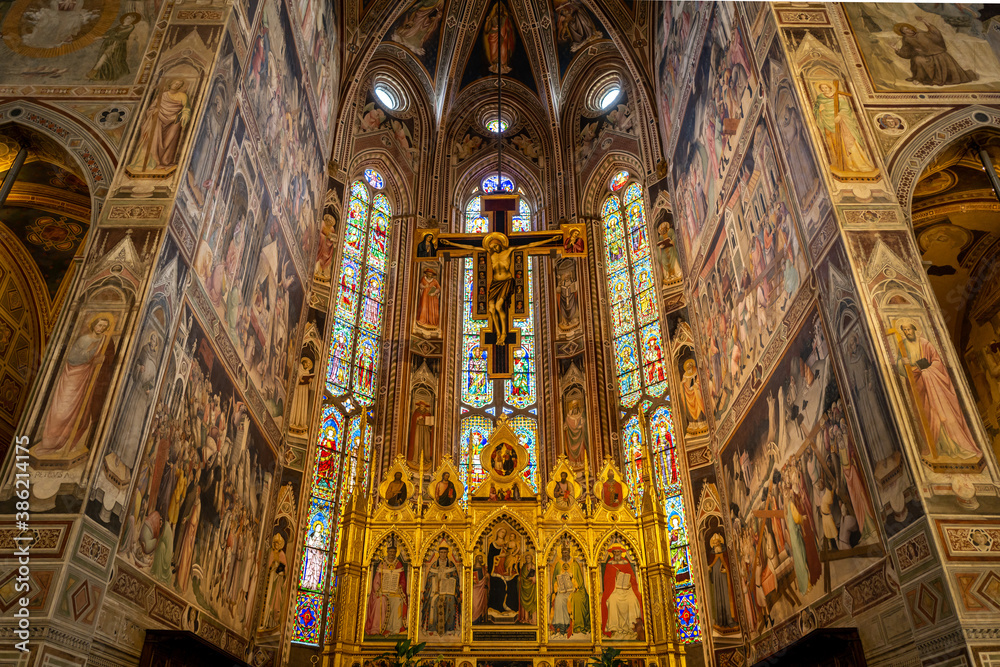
(970, 540)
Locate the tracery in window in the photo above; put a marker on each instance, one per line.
(480, 405)
(642, 383)
(351, 383)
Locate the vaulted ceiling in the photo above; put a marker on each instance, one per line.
(449, 57)
(441, 53)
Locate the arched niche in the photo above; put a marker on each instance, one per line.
(955, 219)
(45, 226)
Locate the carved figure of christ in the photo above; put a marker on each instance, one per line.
(500, 273)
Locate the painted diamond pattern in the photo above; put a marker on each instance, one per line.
(927, 603)
(19, 357)
(11, 391)
(6, 337)
(12, 300)
(9, 595)
(81, 600)
(966, 580)
(990, 589)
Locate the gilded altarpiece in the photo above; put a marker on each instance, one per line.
(498, 575)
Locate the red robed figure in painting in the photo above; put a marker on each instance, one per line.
(498, 38)
(620, 601)
(612, 491)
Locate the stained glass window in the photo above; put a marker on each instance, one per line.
(308, 612)
(374, 179)
(480, 401)
(490, 184)
(497, 125)
(359, 300)
(638, 351)
(688, 626)
(351, 382)
(475, 431)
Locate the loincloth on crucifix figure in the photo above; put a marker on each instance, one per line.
(501, 285)
(500, 271)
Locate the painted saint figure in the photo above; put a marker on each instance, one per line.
(444, 491)
(429, 299)
(841, 132)
(498, 38)
(930, 62)
(426, 247)
(570, 603)
(274, 599)
(421, 21)
(720, 584)
(574, 25)
(127, 437)
(395, 493)
(299, 416)
(527, 589)
(621, 603)
(945, 428)
(503, 460)
(112, 63)
(569, 302)
(563, 492)
(576, 434)
(503, 567)
(387, 603)
(160, 137)
(573, 244)
(80, 383)
(480, 589)
(611, 491)
(691, 390)
(420, 444)
(442, 596)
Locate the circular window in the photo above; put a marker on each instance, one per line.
(605, 92)
(619, 180)
(374, 179)
(609, 97)
(387, 96)
(389, 93)
(496, 125)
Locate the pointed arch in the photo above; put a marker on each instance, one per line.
(352, 379)
(556, 543)
(503, 516)
(431, 546)
(481, 399)
(405, 549)
(611, 538)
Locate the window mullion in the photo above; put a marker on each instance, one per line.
(358, 304)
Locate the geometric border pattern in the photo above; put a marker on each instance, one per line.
(970, 539)
(927, 603)
(979, 590)
(81, 598)
(50, 538)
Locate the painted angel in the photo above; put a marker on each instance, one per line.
(372, 118)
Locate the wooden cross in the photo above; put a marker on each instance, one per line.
(500, 272)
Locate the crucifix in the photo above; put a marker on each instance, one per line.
(500, 271)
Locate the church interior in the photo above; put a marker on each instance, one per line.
(500, 333)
